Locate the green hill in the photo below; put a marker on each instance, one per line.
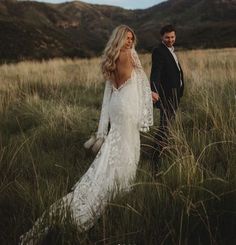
(33, 30)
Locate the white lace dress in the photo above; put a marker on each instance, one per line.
(128, 109)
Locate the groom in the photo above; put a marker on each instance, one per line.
(167, 83)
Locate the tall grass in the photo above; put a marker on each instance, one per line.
(48, 110)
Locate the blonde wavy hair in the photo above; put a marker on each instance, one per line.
(112, 49)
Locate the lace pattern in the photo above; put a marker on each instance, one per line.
(145, 98)
(104, 117)
(128, 110)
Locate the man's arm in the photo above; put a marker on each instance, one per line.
(156, 74)
(156, 70)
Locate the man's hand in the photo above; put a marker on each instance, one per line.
(155, 97)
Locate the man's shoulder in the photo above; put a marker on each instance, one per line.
(158, 50)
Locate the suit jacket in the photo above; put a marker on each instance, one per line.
(165, 74)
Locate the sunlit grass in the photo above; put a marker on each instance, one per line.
(49, 109)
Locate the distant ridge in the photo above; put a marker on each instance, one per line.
(34, 30)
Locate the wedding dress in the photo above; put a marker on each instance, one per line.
(128, 110)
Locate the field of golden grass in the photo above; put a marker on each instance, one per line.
(49, 109)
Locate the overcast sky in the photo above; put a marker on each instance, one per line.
(128, 4)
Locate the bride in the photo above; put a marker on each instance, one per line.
(126, 110)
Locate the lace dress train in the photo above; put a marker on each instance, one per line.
(115, 165)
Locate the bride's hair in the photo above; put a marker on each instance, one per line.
(112, 50)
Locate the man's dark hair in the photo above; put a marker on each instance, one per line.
(166, 29)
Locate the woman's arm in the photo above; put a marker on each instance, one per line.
(104, 116)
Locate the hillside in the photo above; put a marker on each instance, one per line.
(33, 30)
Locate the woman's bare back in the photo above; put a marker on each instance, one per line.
(124, 68)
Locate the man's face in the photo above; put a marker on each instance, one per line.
(169, 38)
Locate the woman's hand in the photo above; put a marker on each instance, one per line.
(155, 97)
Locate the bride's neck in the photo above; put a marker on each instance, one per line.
(124, 49)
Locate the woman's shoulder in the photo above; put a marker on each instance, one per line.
(125, 55)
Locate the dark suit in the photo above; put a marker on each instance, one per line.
(166, 79)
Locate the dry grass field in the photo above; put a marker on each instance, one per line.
(49, 109)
